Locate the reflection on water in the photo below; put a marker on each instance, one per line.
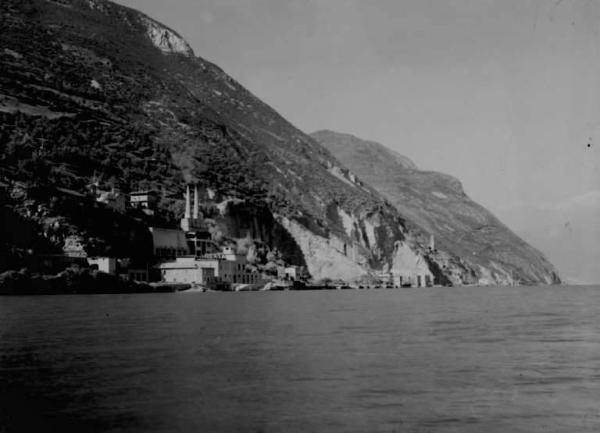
(430, 360)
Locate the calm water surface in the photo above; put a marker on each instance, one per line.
(427, 360)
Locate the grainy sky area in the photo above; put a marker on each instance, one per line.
(503, 94)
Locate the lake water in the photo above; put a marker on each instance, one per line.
(469, 359)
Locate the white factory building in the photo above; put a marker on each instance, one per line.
(190, 256)
(226, 266)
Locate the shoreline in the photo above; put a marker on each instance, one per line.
(92, 282)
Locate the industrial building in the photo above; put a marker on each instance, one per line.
(169, 243)
(226, 266)
(144, 200)
(190, 256)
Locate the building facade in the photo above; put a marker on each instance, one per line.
(104, 264)
(290, 273)
(144, 200)
(225, 267)
(189, 270)
(169, 243)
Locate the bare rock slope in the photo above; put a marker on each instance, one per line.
(436, 203)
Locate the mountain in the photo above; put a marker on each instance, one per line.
(436, 203)
(93, 92)
(96, 93)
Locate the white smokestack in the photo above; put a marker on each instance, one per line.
(196, 202)
(188, 205)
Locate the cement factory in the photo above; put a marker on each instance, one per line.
(189, 256)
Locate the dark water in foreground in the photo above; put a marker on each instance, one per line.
(428, 360)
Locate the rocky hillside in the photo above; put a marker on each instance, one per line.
(435, 203)
(93, 91)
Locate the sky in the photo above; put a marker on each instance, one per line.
(502, 94)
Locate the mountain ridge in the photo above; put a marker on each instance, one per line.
(436, 203)
(92, 90)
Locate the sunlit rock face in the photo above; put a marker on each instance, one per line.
(410, 265)
(325, 257)
(435, 203)
(166, 39)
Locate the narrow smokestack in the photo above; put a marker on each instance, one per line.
(196, 202)
(188, 205)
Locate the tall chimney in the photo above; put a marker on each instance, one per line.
(187, 202)
(196, 202)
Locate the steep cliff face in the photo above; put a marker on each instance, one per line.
(437, 204)
(93, 90)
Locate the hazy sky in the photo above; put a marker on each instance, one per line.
(505, 94)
